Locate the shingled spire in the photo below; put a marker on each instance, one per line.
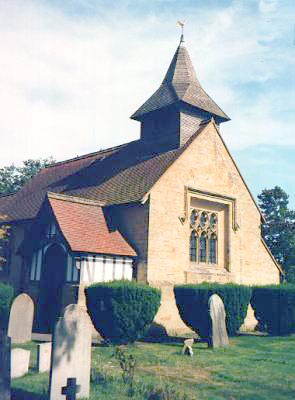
(181, 97)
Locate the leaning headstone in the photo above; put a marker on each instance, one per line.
(21, 319)
(218, 336)
(5, 347)
(71, 352)
(20, 361)
(43, 357)
(188, 347)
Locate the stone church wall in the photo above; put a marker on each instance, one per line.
(205, 165)
(133, 221)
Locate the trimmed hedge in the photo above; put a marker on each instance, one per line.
(6, 297)
(122, 311)
(274, 308)
(192, 302)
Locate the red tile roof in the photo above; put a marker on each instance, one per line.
(84, 227)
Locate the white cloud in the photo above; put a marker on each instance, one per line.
(68, 84)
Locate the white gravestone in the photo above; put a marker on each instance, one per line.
(21, 319)
(218, 335)
(5, 347)
(71, 352)
(20, 361)
(188, 347)
(44, 357)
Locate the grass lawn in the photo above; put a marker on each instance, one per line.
(252, 367)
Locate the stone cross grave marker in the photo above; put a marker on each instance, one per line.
(44, 357)
(188, 347)
(21, 319)
(71, 389)
(218, 336)
(5, 348)
(20, 361)
(71, 352)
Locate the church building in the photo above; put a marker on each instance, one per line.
(169, 208)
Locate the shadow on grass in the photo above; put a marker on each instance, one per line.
(20, 394)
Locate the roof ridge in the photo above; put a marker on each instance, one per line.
(89, 154)
(73, 199)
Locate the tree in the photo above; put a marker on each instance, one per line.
(279, 227)
(4, 235)
(12, 178)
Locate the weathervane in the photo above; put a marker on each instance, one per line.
(181, 24)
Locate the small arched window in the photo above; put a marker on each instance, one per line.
(213, 249)
(193, 246)
(213, 221)
(203, 247)
(203, 219)
(193, 218)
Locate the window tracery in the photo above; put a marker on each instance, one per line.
(203, 236)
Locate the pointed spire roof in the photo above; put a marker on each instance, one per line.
(180, 84)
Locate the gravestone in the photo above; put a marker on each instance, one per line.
(21, 319)
(5, 347)
(71, 352)
(188, 347)
(44, 357)
(218, 336)
(20, 361)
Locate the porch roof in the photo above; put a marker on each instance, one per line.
(84, 227)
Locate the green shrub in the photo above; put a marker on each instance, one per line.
(192, 303)
(122, 311)
(6, 296)
(274, 308)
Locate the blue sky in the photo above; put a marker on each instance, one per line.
(72, 72)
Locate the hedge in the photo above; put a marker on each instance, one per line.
(6, 297)
(122, 311)
(274, 308)
(192, 302)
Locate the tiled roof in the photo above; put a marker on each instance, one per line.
(84, 227)
(180, 84)
(4, 202)
(25, 203)
(123, 174)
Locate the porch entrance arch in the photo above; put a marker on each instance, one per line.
(53, 278)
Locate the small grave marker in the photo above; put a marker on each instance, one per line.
(44, 357)
(20, 361)
(71, 389)
(71, 352)
(188, 347)
(218, 335)
(21, 319)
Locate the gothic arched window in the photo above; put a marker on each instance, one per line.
(213, 249)
(193, 246)
(203, 247)
(203, 236)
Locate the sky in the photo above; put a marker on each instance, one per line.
(73, 71)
